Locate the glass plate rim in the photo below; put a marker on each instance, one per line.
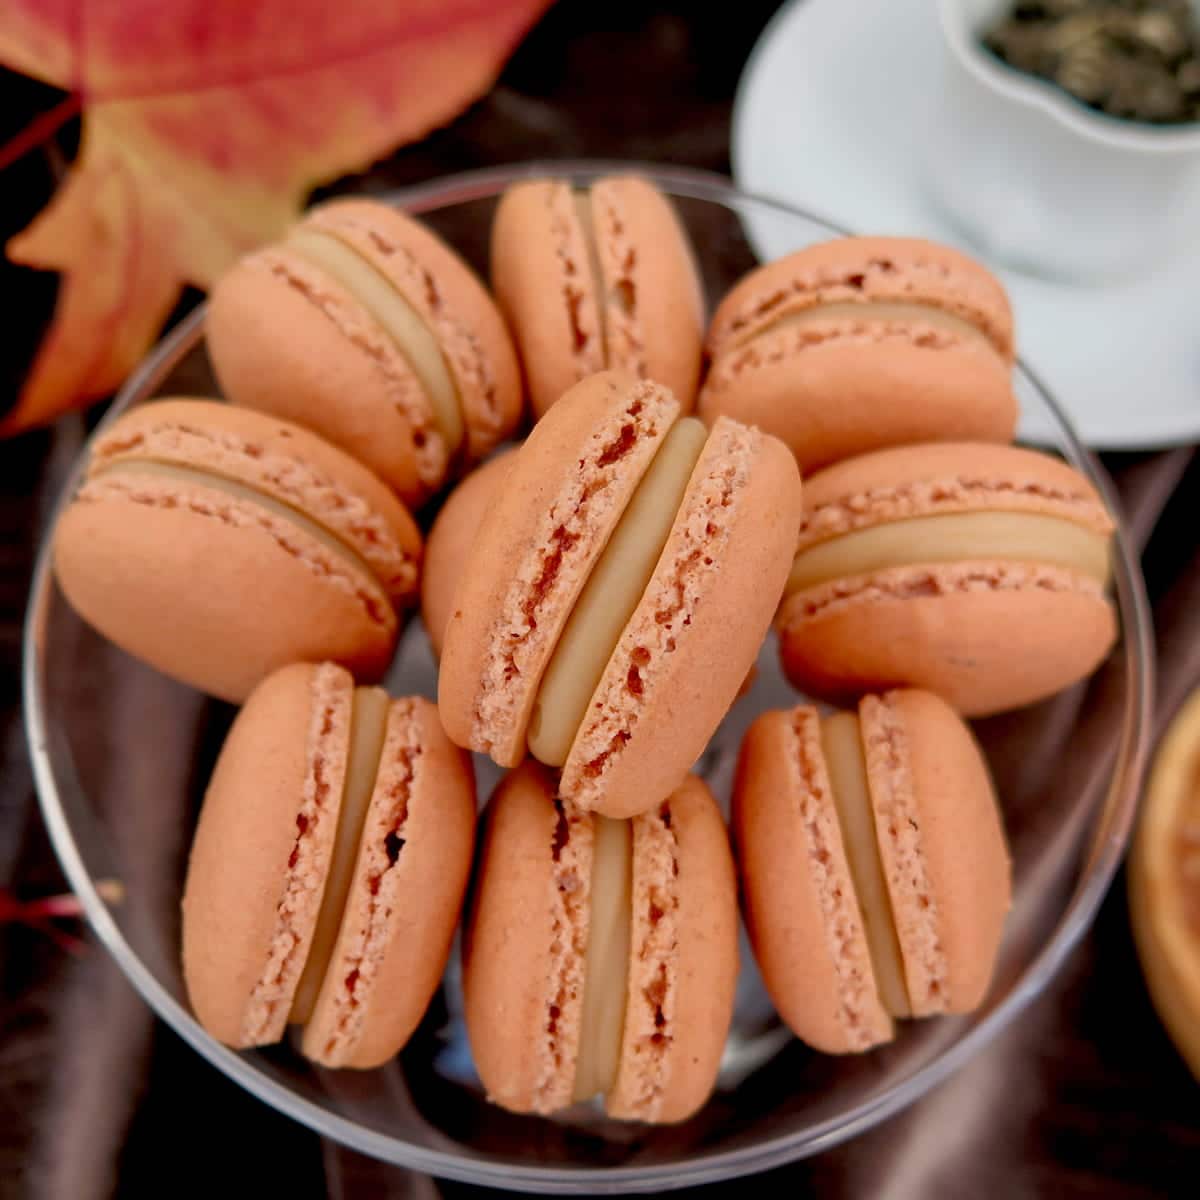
(1114, 814)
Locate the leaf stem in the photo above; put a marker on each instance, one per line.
(41, 129)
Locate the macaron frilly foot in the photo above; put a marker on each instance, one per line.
(218, 544)
(328, 869)
(625, 547)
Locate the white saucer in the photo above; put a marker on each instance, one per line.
(829, 116)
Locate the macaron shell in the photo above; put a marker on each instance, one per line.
(239, 865)
(451, 540)
(517, 915)
(453, 304)
(284, 338)
(654, 321)
(683, 962)
(798, 894)
(864, 269)
(405, 896)
(985, 636)
(716, 585)
(914, 481)
(834, 390)
(566, 490)
(213, 591)
(284, 461)
(927, 774)
(541, 275)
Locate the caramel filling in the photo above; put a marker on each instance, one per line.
(398, 319)
(611, 594)
(953, 537)
(842, 743)
(606, 967)
(583, 210)
(895, 311)
(239, 491)
(368, 724)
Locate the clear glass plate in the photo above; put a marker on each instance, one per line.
(776, 1100)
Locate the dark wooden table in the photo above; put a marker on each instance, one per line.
(1087, 1096)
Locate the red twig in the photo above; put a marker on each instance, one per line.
(39, 914)
(41, 129)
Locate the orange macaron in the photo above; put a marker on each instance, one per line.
(861, 343)
(978, 571)
(600, 957)
(620, 588)
(874, 870)
(364, 325)
(594, 278)
(328, 869)
(451, 538)
(218, 544)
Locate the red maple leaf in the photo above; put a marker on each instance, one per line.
(205, 125)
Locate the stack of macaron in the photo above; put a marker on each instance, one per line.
(596, 595)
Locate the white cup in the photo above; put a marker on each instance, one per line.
(1042, 183)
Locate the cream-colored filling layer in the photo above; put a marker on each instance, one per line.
(399, 320)
(611, 594)
(876, 310)
(368, 724)
(953, 537)
(842, 743)
(583, 209)
(606, 968)
(239, 491)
